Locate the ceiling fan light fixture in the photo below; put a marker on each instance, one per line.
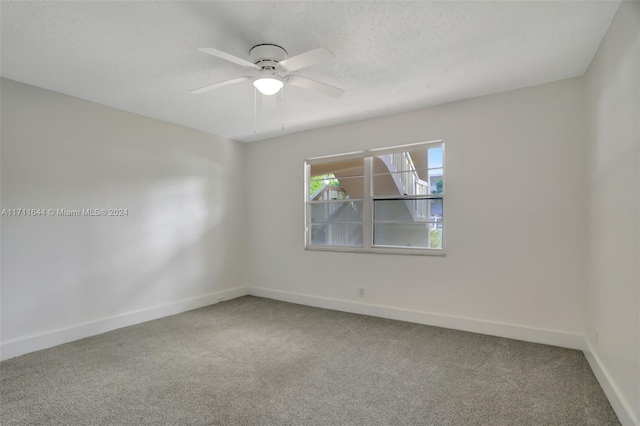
(274, 65)
(268, 85)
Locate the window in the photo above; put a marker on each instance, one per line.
(386, 200)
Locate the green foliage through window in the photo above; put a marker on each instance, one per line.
(435, 237)
(438, 189)
(316, 183)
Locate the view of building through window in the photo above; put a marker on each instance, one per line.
(391, 200)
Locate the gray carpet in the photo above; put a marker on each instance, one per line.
(253, 361)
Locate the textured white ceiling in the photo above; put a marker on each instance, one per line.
(391, 56)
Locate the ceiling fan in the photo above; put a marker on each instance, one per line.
(273, 67)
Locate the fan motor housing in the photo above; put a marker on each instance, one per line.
(267, 55)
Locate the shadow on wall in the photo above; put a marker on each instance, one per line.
(170, 245)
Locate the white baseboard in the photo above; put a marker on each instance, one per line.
(622, 408)
(25, 345)
(518, 332)
(618, 402)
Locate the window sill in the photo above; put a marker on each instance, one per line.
(380, 250)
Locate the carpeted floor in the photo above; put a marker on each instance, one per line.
(253, 361)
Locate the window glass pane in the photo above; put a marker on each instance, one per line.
(418, 210)
(419, 235)
(336, 212)
(325, 187)
(400, 162)
(435, 237)
(436, 183)
(344, 168)
(330, 187)
(336, 180)
(337, 234)
(405, 183)
(435, 157)
(436, 213)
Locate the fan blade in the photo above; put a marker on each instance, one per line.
(315, 86)
(220, 84)
(306, 59)
(227, 56)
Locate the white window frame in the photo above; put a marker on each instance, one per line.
(367, 219)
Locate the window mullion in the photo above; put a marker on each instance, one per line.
(307, 206)
(367, 213)
(428, 191)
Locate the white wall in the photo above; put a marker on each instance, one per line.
(181, 246)
(613, 291)
(514, 209)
